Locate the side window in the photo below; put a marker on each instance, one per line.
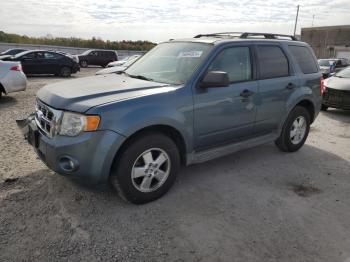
(40, 55)
(272, 62)
(304, 58)
(51, 56)
(236, 62)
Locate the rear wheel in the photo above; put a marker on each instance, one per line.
(146, 168)
(65, 71)
(295, 130)
(324, 108)
(84, 63)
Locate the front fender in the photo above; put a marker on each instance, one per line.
(173, 109)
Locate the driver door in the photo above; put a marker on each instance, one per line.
(226, 114)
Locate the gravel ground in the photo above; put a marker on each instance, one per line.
(256, 205)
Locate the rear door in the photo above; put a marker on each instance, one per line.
(93, 58)
(226, 114)
(30, 63)
(51, 62)
(277, 81)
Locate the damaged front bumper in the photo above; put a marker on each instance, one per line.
(88, 156)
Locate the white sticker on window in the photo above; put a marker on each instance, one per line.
(190, 54)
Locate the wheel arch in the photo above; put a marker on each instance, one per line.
(166, 130)
(2, 89)
(310, 107)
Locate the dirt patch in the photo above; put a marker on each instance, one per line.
(304, 190)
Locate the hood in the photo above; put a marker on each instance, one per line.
(117, 63)
(81, 94)
(109, 70)
(338, 83)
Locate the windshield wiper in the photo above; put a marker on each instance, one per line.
(140, 77)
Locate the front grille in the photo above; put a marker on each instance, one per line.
(47, 118)
(337, 98)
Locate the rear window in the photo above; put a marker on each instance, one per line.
(304, 58)
(272, 62)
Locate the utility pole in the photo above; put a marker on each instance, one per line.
(296, 20)
(313, 18)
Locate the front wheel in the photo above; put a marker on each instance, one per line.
(84, 63)
(295, 130)
(65, 71)
(146, 168)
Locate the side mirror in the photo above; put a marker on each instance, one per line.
(215, 79)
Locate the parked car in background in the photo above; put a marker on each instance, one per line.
(326, 66)
(13, 51)
(97, 57)
(125, 60)
(332, 65)
(12, 78)
(117, 69)
(337, 91)
(46, 62)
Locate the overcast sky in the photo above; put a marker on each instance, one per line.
(158, 20)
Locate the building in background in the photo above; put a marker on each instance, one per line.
(328, 41)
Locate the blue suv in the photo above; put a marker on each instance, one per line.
(184, 102)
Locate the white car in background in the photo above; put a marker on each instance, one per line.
(125, 60)
(12, 78)
(120, 68)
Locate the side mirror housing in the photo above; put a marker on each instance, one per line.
(215, 79)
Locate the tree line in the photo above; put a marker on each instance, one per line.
(77, 42)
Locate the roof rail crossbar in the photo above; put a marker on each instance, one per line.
(268, 35)
(247, 35)
(222, 34)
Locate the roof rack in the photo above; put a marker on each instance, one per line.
(248, 35)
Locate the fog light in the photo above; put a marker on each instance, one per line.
(68, 164)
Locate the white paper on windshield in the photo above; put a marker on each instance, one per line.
(191, 54)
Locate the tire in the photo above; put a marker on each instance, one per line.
(289, 143)
(84, 63)
(324, 108)
(65, 71)
(132, 176)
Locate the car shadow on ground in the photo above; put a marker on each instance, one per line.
(259, 204)
(338, 114)
(7, 101)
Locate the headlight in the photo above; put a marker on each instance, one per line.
(73, 124)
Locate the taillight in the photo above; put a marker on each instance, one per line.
(322, 85)
(16, 68)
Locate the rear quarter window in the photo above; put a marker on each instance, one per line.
(304, 59)
(272, 62)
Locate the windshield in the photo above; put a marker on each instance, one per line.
(131, 60)
(344, 73)
(86, 52)
(22, 53)
(171, 63)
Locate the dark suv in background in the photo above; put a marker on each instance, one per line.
(97, 57)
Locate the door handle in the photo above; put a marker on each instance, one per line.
(290, 86)
(246, 93)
